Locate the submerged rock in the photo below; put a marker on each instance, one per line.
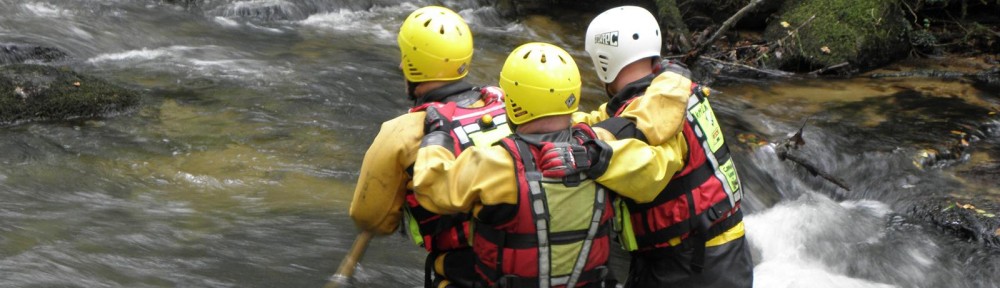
(38, 92)
(971, 220)
(12, 53)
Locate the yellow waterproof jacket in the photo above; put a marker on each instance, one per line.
(446, 184)
(383, 181)
(660, 114)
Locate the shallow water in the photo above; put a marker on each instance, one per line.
(238, 168)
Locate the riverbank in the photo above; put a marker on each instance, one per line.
(812, 37)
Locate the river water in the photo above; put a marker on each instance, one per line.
(238, 168)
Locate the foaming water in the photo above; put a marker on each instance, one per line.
(816, 242)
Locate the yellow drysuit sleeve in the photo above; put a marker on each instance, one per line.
(383, 181)
(445, 184)
(640, 171)
(592, 117)
(660, 112)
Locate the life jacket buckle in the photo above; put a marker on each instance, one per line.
(573, 180)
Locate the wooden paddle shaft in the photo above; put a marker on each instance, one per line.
(346, 269)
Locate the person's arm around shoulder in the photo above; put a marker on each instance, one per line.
(660, 112)
(638, 170)
(592, 117)
(381, 187)
(446, 184)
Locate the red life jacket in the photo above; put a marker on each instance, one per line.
(701, 201)
(550, 238)
(469, 126)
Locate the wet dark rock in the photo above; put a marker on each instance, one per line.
(38, 92)
(988, 80)
(12, 53)
(865, 34)
(972, 220)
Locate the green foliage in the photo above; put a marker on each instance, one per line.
(864, 33)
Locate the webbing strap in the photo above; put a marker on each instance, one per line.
(596, 275)
(539, 211)
(595, 222)
(676, 188)
(526, 241)
(622, 128)
(721, 210)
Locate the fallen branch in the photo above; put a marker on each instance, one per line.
(783, 150)
(796, 30)
(828, 68)
(777, 73)
(693, 55)
(924, 73)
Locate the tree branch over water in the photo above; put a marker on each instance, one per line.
(693, 55)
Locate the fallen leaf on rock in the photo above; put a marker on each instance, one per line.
(785, 24)
(826, 50)
(77, 83)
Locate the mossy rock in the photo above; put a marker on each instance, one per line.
(865, 34)
(38, 92)
(12, 53)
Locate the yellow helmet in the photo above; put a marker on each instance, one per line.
(435, 45)
(540, 79)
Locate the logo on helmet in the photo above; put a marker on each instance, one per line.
(570, 100)
(607, 38)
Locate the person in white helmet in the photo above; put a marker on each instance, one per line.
(692, 233)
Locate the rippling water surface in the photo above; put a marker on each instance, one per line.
(238, 168)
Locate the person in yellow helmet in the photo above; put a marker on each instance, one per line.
(535, 225)
(691, 234)
(436, 49)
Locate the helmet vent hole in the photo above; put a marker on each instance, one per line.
(427, 23)
(635, 36)
(543, 58)
(458, 30)
(605, 57)
(657, 32)
(563, 60)
(446, 59)
(441, 30)
(551, 90)
(527, 54)
(515, 83)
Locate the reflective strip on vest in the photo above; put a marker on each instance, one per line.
(709, 138)
(563, 238)
(425, 228)
(706, 126)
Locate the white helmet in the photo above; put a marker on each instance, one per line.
(619, 37)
